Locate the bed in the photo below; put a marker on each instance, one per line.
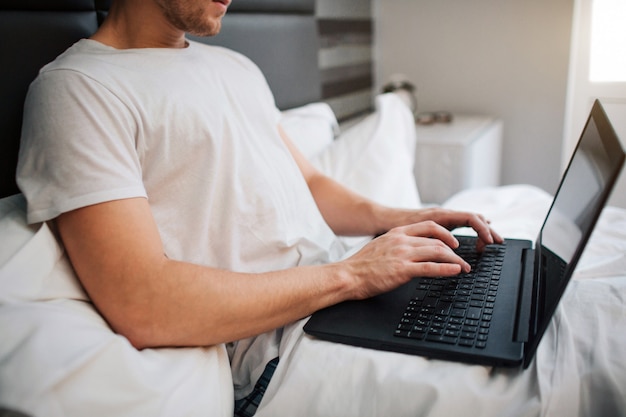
(58, 357)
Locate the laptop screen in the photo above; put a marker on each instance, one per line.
(577, 201)
(584, 188)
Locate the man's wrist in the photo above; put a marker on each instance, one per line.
(387, 218)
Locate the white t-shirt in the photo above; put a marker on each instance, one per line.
(194, 130)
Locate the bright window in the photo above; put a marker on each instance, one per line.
(608, 41)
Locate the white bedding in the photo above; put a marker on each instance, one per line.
(579, 369)
(58, 357)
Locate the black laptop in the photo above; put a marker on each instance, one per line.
(497, 314)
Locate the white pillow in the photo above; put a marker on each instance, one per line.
(375, 157)
(311, 128)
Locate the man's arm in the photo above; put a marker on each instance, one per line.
(348, 213)
(117, 253)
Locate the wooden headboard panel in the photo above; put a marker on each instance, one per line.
(281, 36)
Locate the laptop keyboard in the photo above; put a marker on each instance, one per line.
(456, 310)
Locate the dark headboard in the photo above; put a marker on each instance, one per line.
(279, 35)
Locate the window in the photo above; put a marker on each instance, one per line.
(607, 58)
(597, 63)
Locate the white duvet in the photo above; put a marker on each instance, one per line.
(579, 369)
(58, 357)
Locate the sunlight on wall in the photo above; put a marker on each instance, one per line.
(608, 41)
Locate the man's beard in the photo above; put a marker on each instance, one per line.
(190, 19)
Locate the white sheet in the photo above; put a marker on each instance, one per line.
(579, 369)
(58, 357)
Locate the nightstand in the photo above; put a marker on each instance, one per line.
(455, 156)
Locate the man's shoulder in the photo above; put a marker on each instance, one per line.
(76, 56)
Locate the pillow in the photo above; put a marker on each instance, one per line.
(375, 157)
(311, 128)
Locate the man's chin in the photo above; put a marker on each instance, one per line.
(205, 32)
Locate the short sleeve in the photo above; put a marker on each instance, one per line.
(78, 146)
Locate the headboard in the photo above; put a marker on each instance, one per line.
(279, 35)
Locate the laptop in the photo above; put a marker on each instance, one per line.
(498, 314)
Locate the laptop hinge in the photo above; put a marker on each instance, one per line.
(525, 292)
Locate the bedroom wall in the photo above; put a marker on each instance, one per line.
(503, 58)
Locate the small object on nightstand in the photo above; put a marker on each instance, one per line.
(450, 157)
(428, 118)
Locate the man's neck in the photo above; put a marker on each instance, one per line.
(138, 24)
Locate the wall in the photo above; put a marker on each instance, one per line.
(506, 58)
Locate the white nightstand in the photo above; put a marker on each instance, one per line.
(462, 154)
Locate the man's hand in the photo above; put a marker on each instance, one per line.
(449, 219)
(390, 260)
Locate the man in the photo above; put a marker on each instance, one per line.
(188, 216)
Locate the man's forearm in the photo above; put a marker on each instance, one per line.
(346, 212)
(191, 305)
(118, 256)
